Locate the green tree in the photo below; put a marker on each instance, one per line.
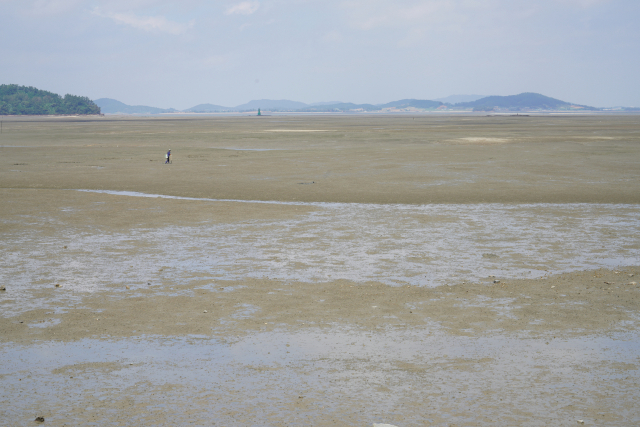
(23, 100)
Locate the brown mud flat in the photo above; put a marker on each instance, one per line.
(370, 159)
(175, 345)
(571, 305)
(526, 352)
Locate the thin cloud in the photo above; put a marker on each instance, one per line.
(147, 23)
(244, 8)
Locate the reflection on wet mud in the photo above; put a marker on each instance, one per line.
(384, 375)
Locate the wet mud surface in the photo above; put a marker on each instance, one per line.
(342, 377)
(163, 297)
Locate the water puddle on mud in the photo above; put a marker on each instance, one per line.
(265, 377)
(420, 245)
(405, 376)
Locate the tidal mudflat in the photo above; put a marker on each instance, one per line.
(428, 270)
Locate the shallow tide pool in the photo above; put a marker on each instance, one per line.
(420, 245)
(411, 378)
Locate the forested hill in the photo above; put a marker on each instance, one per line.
(23, 100)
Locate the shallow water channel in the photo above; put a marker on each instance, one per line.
(409, 378)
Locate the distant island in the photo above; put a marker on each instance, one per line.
(111, 106)
(27, 100)
(524, 102)
(454, 99)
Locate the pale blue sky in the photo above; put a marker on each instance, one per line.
(179, 54)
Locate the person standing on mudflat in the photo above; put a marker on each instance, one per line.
(168, 156)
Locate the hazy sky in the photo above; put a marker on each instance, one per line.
(182, 53)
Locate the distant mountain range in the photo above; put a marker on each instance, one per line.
(207, 108)
(111, 106)
(523, 102)
(454, 99)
